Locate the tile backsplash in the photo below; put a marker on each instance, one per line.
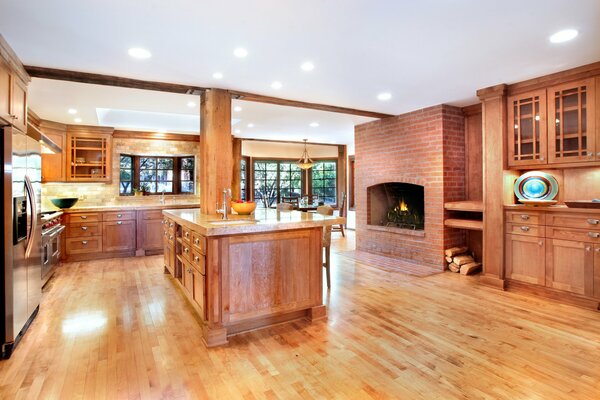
(96, 194)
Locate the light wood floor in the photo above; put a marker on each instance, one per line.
(119, 329)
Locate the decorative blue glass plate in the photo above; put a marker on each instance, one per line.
(536, 185)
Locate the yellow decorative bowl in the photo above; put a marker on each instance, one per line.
(243, 208)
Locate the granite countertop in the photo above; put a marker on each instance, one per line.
(263, 220)
(126, 207)
(554, 208)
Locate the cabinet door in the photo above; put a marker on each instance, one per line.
(118, 236)
(525, 259)
(597, 271)
(169, 258)
(199, 290)
(53, 165)
(150, 234)
(571, 129)
(188, 280)
(18, 104)
(5, 90)
(570, 266)
(527, 131)
(89, 157)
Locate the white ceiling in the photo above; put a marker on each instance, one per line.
(423, 52)
(136, 109)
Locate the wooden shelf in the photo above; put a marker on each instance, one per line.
(466, 205)
(470, 224)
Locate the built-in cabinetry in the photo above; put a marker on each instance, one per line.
(88, 155)
(554, 126)
(54, 165)
(558, 250)
(13, 91)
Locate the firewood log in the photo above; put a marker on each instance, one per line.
(470, 268)
(461, 260)
(448, 260)
(453, 251)
(453, 267)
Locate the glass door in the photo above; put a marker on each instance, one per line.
(527, 129)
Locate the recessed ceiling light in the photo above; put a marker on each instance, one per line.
(250, 125)
(72, 111)
(384, 96)
(313, 124)
(237, 108)
(238, 131)
(307, 66)
(564, 36)
(240, 52)
(78, 120)
(217, 75)
(161, 131)
(276, 85)
(138, 52)
(191, 104)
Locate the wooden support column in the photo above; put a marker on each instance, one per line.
(341, 172)
(236, 190)
(216, 157)
(494, 149)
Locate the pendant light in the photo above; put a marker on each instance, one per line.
(305, 161)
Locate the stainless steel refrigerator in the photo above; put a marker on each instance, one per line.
(21, 167)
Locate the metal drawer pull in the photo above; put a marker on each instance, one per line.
(119, 222)
(594, 234)
(187, 234)
(186, 250)
(83, 216)
(119, 215)
(197, 241)
(525, 228)
(524, 217)
(588, 248)
(84, 242)
(197, 259)
(84, 228)
(171, 237)
(171, 225)
(592, 221)
(597, 249)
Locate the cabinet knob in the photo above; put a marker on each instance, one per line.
(597, 250)
(119, 222)
(84, 228)
(83, 216)
(186, 250)
(592, 221)
(588, 248)
(197, 241)
(598, 154)
(594, 234)
(541, 243)
(197, 259)
(84, 242)
(525, 217)
(119, 215)
(187, 234)
(525, 228)
(171, 225)
(542, 158)
(590, 154)
(171, 237)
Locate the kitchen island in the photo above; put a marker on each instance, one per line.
(247, 272)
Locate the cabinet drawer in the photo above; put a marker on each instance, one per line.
(83, 217)
(152, 214)
(186, 234)
(168, 237)
(119, 216)
(83, 230)
(580, 235)
(186, 251)
(525, 229)
(525, 217)
(199, 262)
(83, 245)
(583, 221)
(199, 242)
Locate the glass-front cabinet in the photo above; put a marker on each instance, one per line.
(89, 157)
(571, 129)
(527, 132)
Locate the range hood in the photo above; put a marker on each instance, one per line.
(48, 146)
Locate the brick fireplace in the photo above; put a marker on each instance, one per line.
(421, 149)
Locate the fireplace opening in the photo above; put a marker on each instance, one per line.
(396, 205)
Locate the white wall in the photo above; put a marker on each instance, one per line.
(255, 148)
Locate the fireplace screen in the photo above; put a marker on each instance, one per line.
(397, 205)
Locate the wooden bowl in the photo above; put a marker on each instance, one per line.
(243, 208)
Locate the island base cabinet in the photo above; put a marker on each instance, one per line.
(597, 271)
(118, 236)
(525, 259)
(570, 266)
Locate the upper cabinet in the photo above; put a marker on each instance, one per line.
(54, 165)
(13, 98)
(555, 126)
(571, 129)
(89, 155)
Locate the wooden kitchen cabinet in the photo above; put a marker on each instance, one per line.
(597, 271)
(88, 156)
(570, 266)
(54, 165)
(150, 231)
(525, 259)
(571, 126)
(199, 291)
(118, 235)
(5, 92)
(527, 132)
(13, 98)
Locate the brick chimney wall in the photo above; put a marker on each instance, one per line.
(424, 147)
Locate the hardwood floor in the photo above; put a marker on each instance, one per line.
(119, 329)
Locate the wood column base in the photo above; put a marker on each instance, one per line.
(213, 337)
(317, 313)
(493, 281)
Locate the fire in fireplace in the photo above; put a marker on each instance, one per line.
(396, 205)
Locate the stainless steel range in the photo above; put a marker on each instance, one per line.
(51, 244)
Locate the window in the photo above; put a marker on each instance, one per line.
(324, 181)
(243, 171)
(156, 174)
(290, 179)
(265, 182)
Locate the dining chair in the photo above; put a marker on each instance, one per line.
(326, 210)
(342, 213)
(293, 200)
(311, 198)
(285, 207)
